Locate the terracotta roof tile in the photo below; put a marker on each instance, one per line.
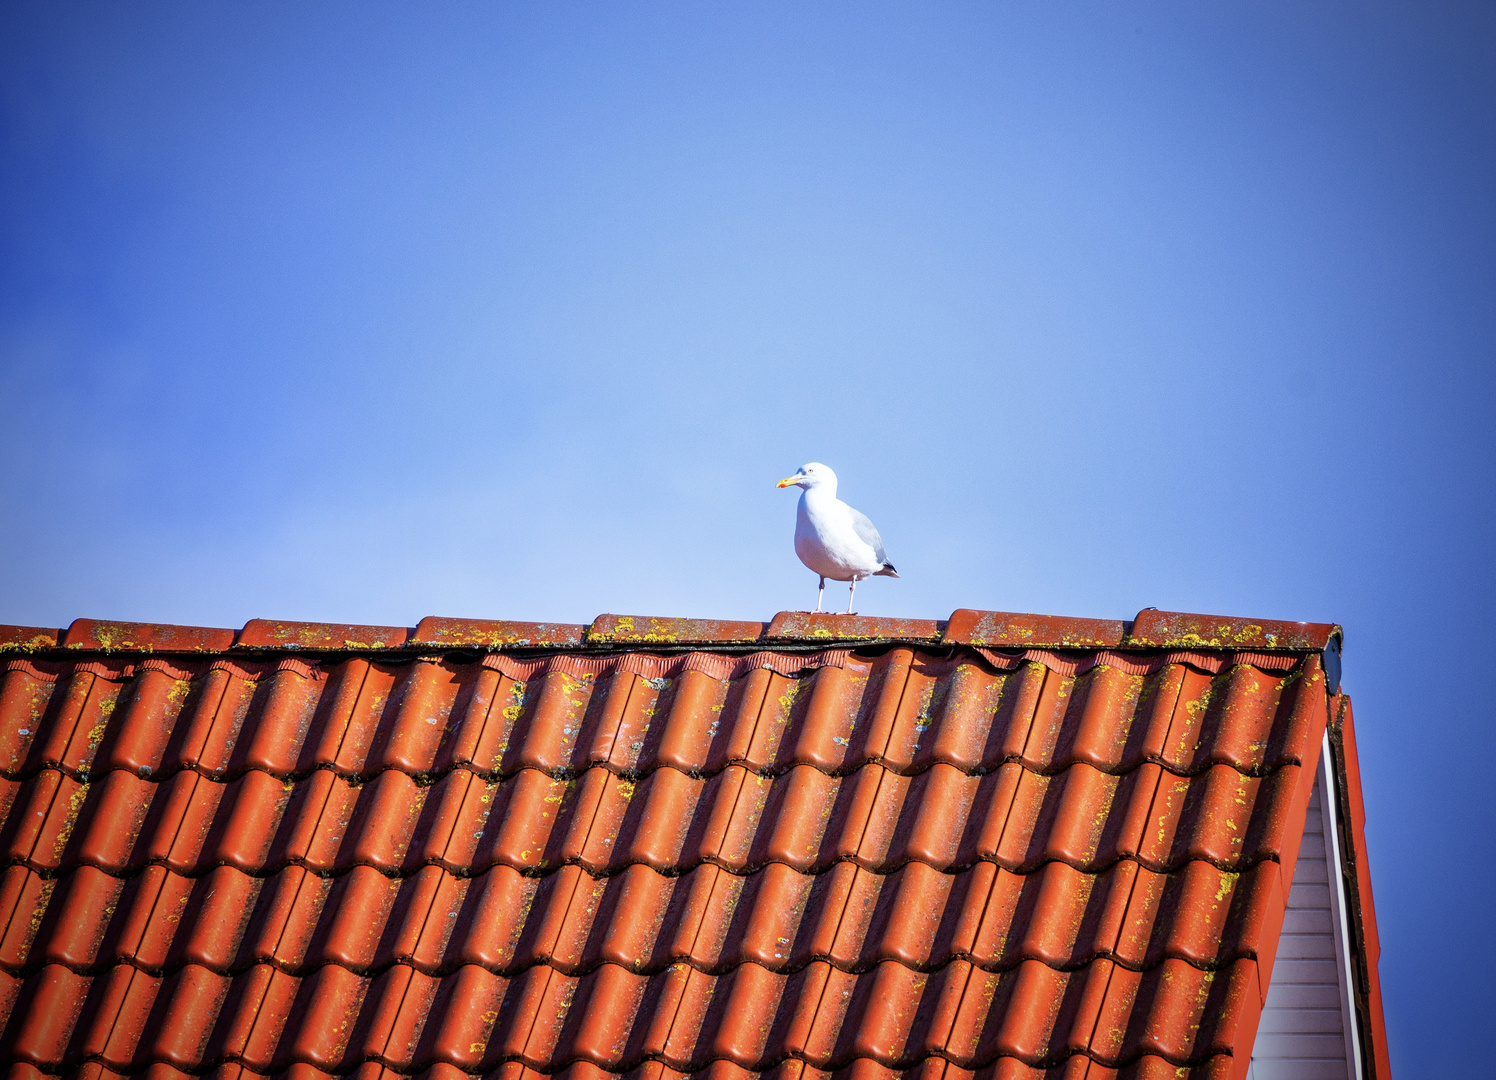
(825, 626)
(269, 634)
(27, 638)
(1177, 629)
(95, 634)
(492, 634)
(649, 630)
(996, 847)
(1006, 628)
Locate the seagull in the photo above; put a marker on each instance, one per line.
(831, 538)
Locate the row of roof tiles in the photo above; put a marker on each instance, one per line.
(671, 821)
(1150, 629)
(437, 922)
(614, 1018)
(904, 710)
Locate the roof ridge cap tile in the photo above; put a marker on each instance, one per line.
(447, 632)
(310, 636)
(825, 626)
(99, 635)
(27, 638)
(669, 630)
(968, 626)
(1154, 629)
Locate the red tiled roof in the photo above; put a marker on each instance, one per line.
(1020, 844)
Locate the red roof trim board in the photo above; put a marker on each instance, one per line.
(654, 845)
(1365, 946)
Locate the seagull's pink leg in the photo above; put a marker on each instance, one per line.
(820, 595)
(852, 593)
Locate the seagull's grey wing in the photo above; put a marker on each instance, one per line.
(867, 534)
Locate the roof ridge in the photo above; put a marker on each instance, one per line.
(1150, 628)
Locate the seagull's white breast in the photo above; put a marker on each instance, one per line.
(827, 542)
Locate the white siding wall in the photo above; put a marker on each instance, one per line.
(1302, 1033)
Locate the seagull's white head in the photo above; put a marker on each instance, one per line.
(811, 476)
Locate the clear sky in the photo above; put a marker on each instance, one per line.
(365, 312)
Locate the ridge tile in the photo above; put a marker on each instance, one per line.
(24, 639)
(342, 637)
(647, 630)
(1008, 629)
(495, 634)
(829, 626)
(1178, 629)
(97, 635)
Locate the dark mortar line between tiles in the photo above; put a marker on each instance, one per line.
(431, 779)
(953, 871)
(833, 1063)
(687, 1069)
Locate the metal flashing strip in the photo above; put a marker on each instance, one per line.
(1339, 911)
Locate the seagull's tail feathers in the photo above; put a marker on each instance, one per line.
(887, 571)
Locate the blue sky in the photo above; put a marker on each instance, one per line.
(369, 312)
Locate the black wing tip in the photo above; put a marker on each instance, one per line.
(887, 571)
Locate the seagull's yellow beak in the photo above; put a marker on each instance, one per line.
(788, 481)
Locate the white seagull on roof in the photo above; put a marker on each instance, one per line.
(831, 538)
